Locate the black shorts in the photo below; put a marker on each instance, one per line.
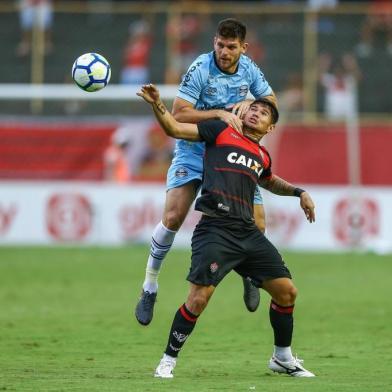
(220, 245)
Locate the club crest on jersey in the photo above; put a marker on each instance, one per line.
(243, 90)
(214, 267)
(242, 160)
(181, 172)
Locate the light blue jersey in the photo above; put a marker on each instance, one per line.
(207, 87)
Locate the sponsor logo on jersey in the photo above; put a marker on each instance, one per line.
(214, 267)
(181, 172)
(243, 90)
(223, 207)
(207, 106)
(211, 91)
(234, 135)
(242, 160)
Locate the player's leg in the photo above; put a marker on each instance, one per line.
(283, 294)
(178, 202)
(252, 293)
(266, 268)
(183, 324)
(259, 215)
(215, 252)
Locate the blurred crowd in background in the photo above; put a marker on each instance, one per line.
(159, 46)
(343, 55)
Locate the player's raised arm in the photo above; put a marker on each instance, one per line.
(278, 186)
(184, 111)
(172, 128)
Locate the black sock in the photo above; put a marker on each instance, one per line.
(281, 318)
(183, 324)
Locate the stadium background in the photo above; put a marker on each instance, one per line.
(73, 245)
(58, 133)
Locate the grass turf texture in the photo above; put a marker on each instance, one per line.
(67, 324)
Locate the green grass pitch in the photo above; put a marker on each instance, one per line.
(67, 324)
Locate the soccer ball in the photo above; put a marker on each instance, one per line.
(91, 72)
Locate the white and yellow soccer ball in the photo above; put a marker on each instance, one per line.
(91, 72)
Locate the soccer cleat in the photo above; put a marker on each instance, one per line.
(145, 307)
(165, 367)
(293, 368)
(251, 295)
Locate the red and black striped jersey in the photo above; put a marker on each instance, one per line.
(233, 165)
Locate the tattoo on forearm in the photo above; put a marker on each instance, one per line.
(160, 107)
(278, 186)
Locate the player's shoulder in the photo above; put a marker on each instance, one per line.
(215, 126)
(199, 67)
(214, 123)
(196, 74)
(206, 57)
(247, 63)
(201, 62)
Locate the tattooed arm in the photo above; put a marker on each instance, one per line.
(171, 127)
(278, 186)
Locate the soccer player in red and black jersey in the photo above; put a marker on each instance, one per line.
(226, 237)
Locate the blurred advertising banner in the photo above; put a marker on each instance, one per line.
(81, 213)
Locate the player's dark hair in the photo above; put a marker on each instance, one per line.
(231, 28)
(273, 107)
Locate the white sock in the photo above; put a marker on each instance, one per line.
(283, 353)
(161, 242)
(169, 358)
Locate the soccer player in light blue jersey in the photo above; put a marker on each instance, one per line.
(215, 86)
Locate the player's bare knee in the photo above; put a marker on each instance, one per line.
(197, 301)
(290, 295)
(172, 220)
(197, 304)
(287, 296)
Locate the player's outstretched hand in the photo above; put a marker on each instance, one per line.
(231, 119)
(241, 108)
(149, 93)
(308, 206)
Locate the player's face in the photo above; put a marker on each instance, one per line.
(258, 119)
(228, 52)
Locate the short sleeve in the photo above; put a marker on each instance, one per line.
(210, 129)
(267, 164)
(193, 81)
